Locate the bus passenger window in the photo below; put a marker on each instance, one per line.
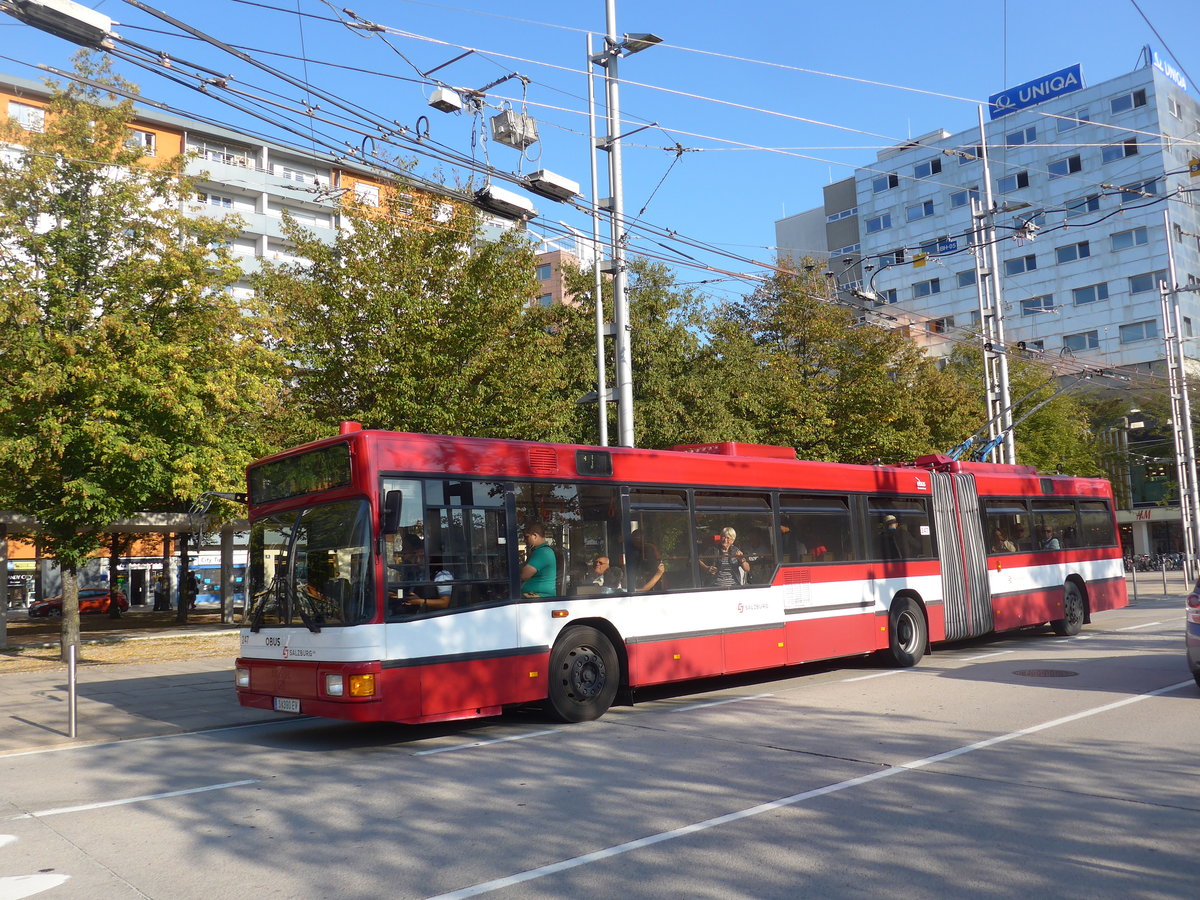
(660, 545)
(900, 528)
(814, 529)
(1006, 526)
(748, 557)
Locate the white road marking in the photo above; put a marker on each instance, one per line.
(564, 865)
(717, 703)
(1136, 627)
(515, 737)
(985, 656)
(17, 887)
(42, 813)
(63, 748)
(873, 675)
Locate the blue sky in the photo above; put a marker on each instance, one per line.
(769, 100)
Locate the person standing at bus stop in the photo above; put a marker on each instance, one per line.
(539, 574)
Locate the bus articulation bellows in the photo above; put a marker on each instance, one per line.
(384, 568)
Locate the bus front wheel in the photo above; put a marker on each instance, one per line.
(1074, 611)
(907, 636)
(584, 675)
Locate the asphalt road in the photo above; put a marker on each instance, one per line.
(1024, 766)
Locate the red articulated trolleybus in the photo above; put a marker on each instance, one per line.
(386, 570)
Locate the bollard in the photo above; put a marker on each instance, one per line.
(71, 690)
(1166, 593)
(1133, 574)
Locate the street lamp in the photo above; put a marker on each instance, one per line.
(608, 59)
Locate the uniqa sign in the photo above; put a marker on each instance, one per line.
(1064, 81)
(1169, 70)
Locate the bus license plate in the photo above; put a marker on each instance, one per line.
(287, 704)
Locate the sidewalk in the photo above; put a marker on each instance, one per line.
(136, 700)
(120, 701)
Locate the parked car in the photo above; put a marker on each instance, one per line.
(91, 600)
(1193, 631)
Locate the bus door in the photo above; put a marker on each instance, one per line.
(967, 596)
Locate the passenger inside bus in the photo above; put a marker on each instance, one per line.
(728, 565)
(539, 575)
(609, 579)
(897, 542)
(646, 568)
(1001, 544)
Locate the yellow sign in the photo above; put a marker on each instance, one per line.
(919, 260)
(1194, 167)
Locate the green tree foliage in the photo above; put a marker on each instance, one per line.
(810, 374)
(1057, 437)
(129, 378)
(410, 321)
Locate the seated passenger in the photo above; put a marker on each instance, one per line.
(540, 572)
(1046, 539)
(608, 578)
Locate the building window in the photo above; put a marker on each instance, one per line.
(1129, 101)
(849, 248)
(969, 154)
(928, 168)
(366, 194)
(1090, 294)
(1021, 136)
(963, 197)
(926, 288)
(545, 300)
(889, 296)
(882, 183)
(216, 200)
(892, 257)
(1072, 252)
(879, 223)
(293, 174)
(1020, 265)
(224, 153)
(1119, 150)
(1187, 327)
(844, 214)
(1072, 120)
(1014, 182)
(1061, 168)
(939, 326)
(1085, 340)
(919, 211)
(1143, 190)
(967, 278)
(1134, 237)
(1139, 331)
(1139, 284)
(142, 140)
(31, 118)
(1082, 206)
(543, 272)
(1173, 108)
(1035, 305)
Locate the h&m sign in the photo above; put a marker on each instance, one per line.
(1064, 81)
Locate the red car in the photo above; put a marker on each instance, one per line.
(91, 600)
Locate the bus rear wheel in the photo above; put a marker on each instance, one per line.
(1074, 611)
(584, 675)
(907, 636)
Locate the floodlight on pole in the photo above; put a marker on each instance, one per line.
(65, 19)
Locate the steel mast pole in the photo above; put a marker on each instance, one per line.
(623, 342)
(598, 288)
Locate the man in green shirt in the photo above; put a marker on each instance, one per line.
(539, 574)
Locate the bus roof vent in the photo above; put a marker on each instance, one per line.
(543, 461)
(733, 448)
(349, 427)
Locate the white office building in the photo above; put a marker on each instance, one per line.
(1092, 188)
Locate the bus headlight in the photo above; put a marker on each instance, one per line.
(334, 686)
(241, 677)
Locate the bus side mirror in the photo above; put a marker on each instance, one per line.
(392, 504)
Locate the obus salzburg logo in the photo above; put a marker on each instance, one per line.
(1047, 87)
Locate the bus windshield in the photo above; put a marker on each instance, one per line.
(311, 567)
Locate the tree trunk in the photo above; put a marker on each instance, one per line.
(114, 563)
(70, 612)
